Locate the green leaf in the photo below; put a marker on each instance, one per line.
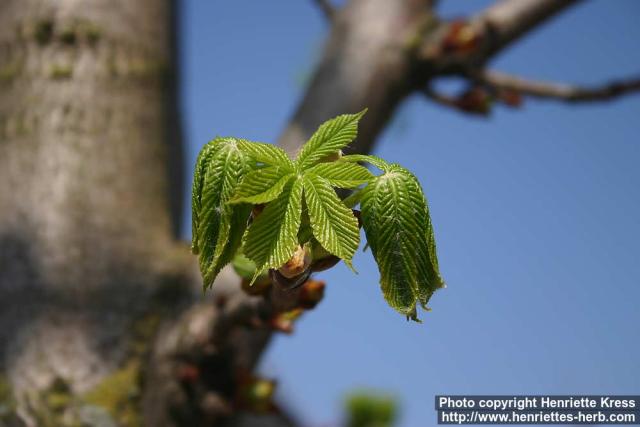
(398, 228)
(262, 185)
(220, 226)
(381, 164)
(342, 174)
(266, 153)
(333, 224)
(243, 266)
(196, 193)
(330, 137)
(273, 237)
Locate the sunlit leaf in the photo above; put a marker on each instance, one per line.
(266, 153)
(273, 237)
(333, 224)
(262, 185)
(220, 227)
(330, 137)
(398, 227)
(342, 174)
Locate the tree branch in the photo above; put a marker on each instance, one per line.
(508, 20)
(459, 46)
(328, 10)
(500, 81)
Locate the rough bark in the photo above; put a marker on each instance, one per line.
(90, 182)
(86, 115)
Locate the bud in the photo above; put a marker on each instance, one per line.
(511, 98)
(297, 264)
(256, 394)
(462, 37)
(476, 101)
(283, 321)
(311, 294)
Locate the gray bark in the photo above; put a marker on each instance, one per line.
(86, 233)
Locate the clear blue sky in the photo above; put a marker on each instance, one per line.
(536, 212)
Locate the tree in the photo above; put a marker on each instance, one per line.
(102, 313)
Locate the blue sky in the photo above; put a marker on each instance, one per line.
(536, 214)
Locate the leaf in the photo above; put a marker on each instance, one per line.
(273, 237)
(398, 228)
(333, 224)
(330, 137)
(342, 174)
(266, 153)
(262, 185)
(381, 164)
(220, 226)
(196, 193)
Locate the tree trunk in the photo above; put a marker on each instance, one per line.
(87, 123)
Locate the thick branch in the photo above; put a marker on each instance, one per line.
(565, 92)
(462, 45)
(508, 20)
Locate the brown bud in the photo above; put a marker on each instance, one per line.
(476, 101)
(511, 98)
(311, 294)
(283, 321)
(462, 37)
(297, 264)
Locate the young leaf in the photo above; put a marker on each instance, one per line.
(333, 224)
(220, 227)
(196, 193)
(398, 227)
(342, 174)
(330, 137)
(262, 185)
(273, 237)
(232, 227)
(266, 153)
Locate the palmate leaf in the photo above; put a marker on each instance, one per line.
(273, 237)
(396, 221)
(266, 153)
(330, 137)
(333, 224)
(342, 174)
(219, 227)
(262, 185)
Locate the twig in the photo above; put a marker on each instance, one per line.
(440, 98)
(474, 100)
(328, 10)
(500, 81)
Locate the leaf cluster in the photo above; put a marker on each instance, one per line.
(251, 197)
